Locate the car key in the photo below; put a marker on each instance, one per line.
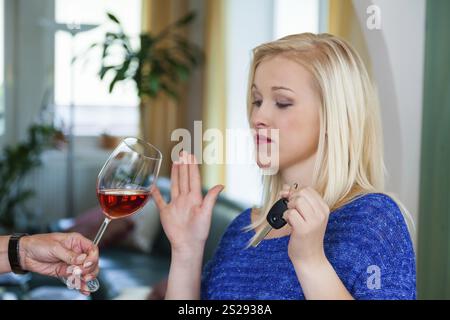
(274, 218)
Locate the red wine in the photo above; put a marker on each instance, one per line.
(121, 203)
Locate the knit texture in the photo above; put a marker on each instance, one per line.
(366, 241)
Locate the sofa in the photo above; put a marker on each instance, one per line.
(124, 267)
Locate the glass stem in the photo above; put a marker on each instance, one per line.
(101, 230)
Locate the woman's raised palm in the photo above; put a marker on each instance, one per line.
(186, 219)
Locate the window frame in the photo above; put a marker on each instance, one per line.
(84, 137)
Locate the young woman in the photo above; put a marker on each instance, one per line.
(345, 237)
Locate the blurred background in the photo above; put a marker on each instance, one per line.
(78, 75)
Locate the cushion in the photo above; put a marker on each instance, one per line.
(146, 228)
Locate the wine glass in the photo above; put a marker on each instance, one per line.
(124, 184)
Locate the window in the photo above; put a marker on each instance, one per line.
(2, 69)
(97, 111)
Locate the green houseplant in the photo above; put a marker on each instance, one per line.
(16, 162)
(160, 63)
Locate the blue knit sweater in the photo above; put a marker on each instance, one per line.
(366, 241)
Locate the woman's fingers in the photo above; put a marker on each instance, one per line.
(194, 177)
(317, 201)
(174, 187)
(159, 200)
(285, 187)
(211, 197)
(293, 218)
(284, 192)
(298, 201)
(184, 173)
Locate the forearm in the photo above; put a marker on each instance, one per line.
(4, 261)
(185, 275)
(320, 281)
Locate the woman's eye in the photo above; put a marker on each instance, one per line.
(257, 103)
(283, 105)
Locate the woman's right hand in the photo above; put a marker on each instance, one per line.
(186, 220)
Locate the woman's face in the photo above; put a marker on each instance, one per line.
(283, 98)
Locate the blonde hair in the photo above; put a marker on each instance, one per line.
(350, 150)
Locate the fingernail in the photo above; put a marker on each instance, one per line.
(77, 271)
(88, 277)
(87, 264)
(70, 270)
(81, 258)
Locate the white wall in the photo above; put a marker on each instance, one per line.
(397, 55)
(49, 183)
(296, 16)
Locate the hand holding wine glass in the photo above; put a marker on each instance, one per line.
(124, 183)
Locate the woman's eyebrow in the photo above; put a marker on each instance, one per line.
(275, 88)
(281, 88)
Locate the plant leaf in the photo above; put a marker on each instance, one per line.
(188, 18)
(113, 18)
(154, 85)
(169, 91)
(104, 70)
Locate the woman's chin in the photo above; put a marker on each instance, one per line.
(263, 165)
(269, 166)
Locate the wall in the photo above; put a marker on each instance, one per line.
(397, 55)
(49, 183)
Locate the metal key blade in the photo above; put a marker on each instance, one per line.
(262, 235)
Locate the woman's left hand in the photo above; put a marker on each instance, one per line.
(307, 214)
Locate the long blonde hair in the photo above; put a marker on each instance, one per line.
(350, 151)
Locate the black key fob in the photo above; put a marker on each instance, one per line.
(275, 215)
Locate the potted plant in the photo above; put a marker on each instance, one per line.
(159, 65)
(16, 162)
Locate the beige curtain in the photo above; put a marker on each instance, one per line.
(343, 22)
(159, 117)
(214, 100)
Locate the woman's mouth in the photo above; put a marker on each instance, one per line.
(260, 139)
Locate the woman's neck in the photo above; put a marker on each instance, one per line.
(301, 172)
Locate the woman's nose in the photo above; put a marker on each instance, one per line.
(260, 117)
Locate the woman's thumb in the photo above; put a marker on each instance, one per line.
(159, 200)
(211, 197)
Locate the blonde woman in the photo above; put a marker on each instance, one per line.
(345, 238)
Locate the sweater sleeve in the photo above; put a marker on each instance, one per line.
(204, 279)
(386, 267)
